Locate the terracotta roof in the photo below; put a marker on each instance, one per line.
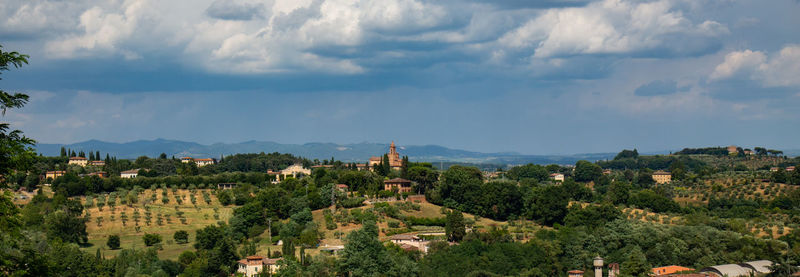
(375, 159)
(397, 180)
(343, 186)
(408, 247)
(186, 158)
(669, 269)
(130, 171)
(77, 158)
(204, 160)
(555, 174)
(56, 172)
(661, 172)
(575, 272)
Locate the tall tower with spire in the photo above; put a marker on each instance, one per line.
(393, 155)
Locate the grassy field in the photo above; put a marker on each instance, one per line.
(195, 216)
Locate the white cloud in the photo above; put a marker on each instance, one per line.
(611, 27)
(779, 70)
(102, 32)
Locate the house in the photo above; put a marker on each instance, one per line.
(739, 270)
(204, 162)
(81, 161)
(129, 173)
(293, 170)
(733, 149)
(402, 185)
(575, 273)
(410, 240)
(789, 168)
(187, 160)
(558, 177)
(253, 265)
(773, 169)
(341, 187)
(101, 174)
(394, 159)
(613, 270)
(54, 174)
(749, 152)
(97, 163)
(667, 270)
(662, 177)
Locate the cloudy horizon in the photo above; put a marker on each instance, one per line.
(548, 77)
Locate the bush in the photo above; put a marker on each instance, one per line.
(151, 239)
(352, 202)
(113, 242)
(181, 237)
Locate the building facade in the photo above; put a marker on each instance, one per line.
(662, 177)
(81, 161)
(129, 173)
(402, 185)
(254, 265)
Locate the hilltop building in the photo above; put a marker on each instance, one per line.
(81, 161)
(187, 160)
(662, 177)
(395, 162)
(293, 170)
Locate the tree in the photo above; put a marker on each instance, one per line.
(15, 149)
(113, 241)
(454, 227)
(627, 154)
(151, 239)
(181, 237)
(364, 254)
(548, 205)
(586, 171)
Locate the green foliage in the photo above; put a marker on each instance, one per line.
(586, 171)
(151, 239)
(113, 242)
(181, 237)
(455, 227)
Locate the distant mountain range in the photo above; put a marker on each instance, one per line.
(358, 152)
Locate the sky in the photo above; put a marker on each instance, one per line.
(533, 77)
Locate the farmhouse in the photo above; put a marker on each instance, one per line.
(558, 177)
(662, 177)
(54, 174)
(407, 241)
(402, 185)
(204, 162)
(97, 163)
(81, 161)
(187, 160)
(129, 173)
(394, 159)
(253, 265)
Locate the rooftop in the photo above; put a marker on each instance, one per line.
(397, 180)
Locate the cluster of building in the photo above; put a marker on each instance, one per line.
(787, 169)
(747, 269)
(81, 161)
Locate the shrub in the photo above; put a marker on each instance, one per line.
(151, 239)
(113, 242)
(181, 237)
